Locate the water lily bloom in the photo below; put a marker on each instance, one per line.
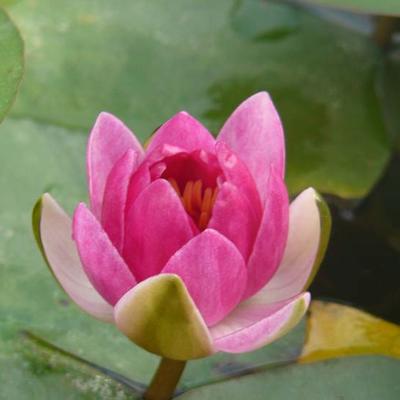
(189, 247)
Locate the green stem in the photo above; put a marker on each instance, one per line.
(165, 380)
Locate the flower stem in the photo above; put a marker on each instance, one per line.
(165, 380)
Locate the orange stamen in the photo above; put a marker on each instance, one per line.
(187, 197)
(203, 220)
(205, 205)
(197, 204)
(197, 193)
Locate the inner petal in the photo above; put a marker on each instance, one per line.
(195, 177)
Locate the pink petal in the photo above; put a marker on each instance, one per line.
(108, 142)
(305, 242)
(234, 218)
(236, 172)
(214, 273)
(184, 131)
(158, 153)
(62, 257)
(272, 235)
(253, 325)
(102, 263)
(139, 181)
(254, 131)
(115, 197)
(156, 227)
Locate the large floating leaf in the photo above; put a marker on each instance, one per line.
(388, 87)
(334, 330)
(145, 60)
(31, 369)
(11, 62)
(380, 7)
(363, 378)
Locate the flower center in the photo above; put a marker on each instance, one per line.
(198, 201)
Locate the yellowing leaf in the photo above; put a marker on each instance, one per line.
(335, 330)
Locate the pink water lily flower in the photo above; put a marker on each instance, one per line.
(189, 247)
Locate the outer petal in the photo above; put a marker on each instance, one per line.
(237, 173)
(214, 273)
(233, 216)
(254, 131)
(139, 181)
(108, 142)
(156, 227)
(253, 325)
(184, 131)
(271, 238)
(115, 198)
(159, 315)
(102, 263)
(309, 230)
(53, 228)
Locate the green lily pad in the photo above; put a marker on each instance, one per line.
(366, 378)
(11, 65)
(146, 60)
(381, 7)
(388, 85)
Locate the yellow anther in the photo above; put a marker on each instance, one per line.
(203, 220)
(197, 193)
(205, 205)
(197, 204)
(187, 197)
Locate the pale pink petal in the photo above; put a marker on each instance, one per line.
(156, 227)
(115, 197)
(253, 325)
(108, 142)
(309, 228)
(237, 173)
(159, 315)
(62, 257)
(233, 216)
(214, 273)
(254, 131)
(102, 263)
(184, 131)
(271, 238)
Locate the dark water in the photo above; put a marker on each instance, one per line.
(362, 264)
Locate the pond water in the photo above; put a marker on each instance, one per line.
(362, 264)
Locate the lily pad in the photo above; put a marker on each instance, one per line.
(11, 65)
(335, 330)
(145, 60)
(388, 87)
(366, 378)
(381, 7)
